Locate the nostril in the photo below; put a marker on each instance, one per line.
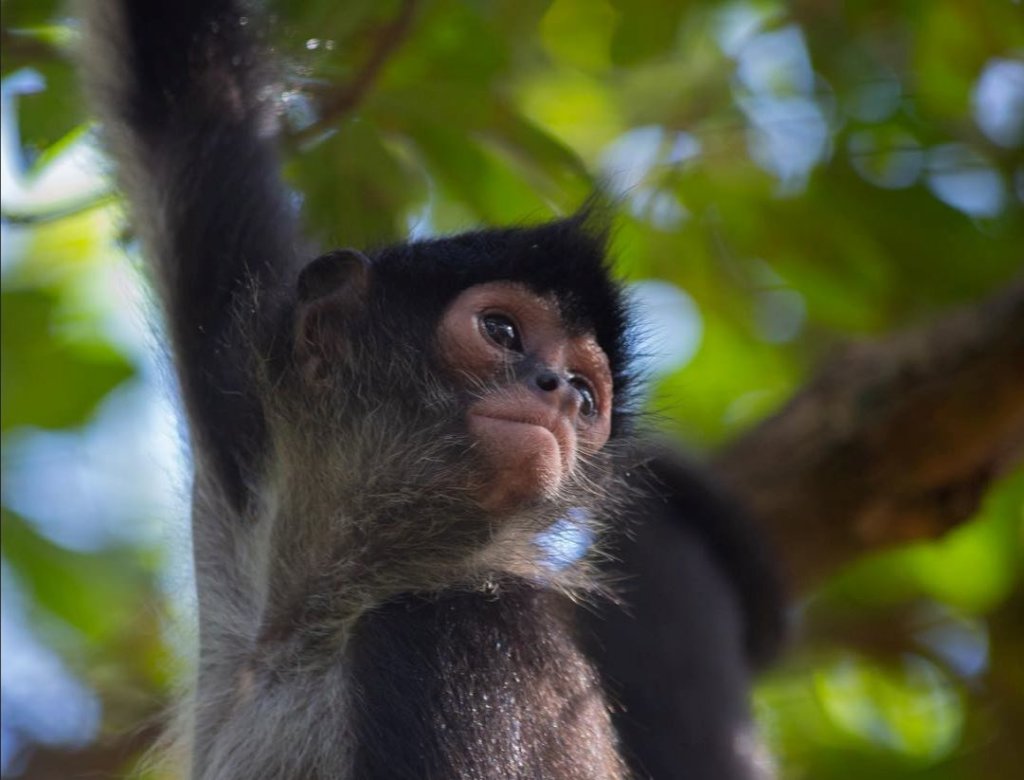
(548, 381)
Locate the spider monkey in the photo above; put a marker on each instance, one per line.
(383, 443)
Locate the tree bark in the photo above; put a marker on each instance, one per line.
(891, 441)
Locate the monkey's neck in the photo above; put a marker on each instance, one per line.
(465, 684)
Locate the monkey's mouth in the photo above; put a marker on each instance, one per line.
(516, 436)
(516, 428)
(532, 444)
(544, 425)
(527, 459)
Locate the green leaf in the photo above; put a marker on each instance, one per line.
(358, 190)
(554, 168)
(484, 183)
(30, 13)
(578, 33)
(47, 116)
(94, 592)
(646, 30)
(46, 381)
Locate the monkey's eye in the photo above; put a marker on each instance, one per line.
(502, 331)
(588, 401)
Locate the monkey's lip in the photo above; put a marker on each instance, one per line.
(536, 432)
(549, 424)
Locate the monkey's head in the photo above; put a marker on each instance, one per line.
(505, 348)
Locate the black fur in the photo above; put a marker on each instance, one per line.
(464, 686)
(699, 611)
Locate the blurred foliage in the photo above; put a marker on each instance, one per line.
(803, 173)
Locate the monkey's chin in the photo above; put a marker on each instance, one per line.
(525, 462)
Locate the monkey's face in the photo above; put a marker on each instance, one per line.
(540, 395)
(531, 387)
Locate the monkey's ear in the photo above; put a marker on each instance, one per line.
(343, 273)
(331, 292)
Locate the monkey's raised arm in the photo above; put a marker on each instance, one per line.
(189, 117)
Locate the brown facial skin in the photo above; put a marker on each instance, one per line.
(531, 421)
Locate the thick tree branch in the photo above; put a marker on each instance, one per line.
(892, 441)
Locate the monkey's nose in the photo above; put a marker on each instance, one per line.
(547, 380)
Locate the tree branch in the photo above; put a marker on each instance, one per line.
(25, 46)
(892, 441)
(25, 219)
(337, 103)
